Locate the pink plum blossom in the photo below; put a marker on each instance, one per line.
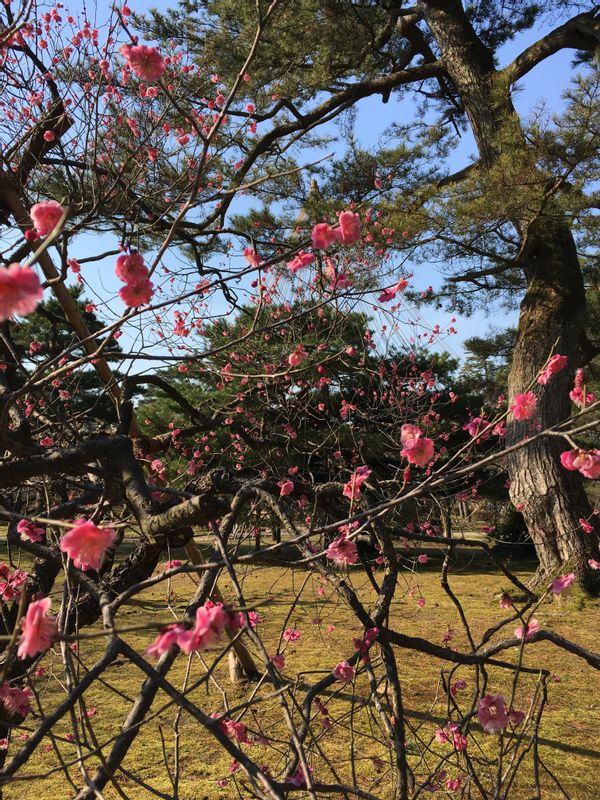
(582, 398)
(585, 461)
(352, 488)
(298, 779)
(516, 717)
(441, 736)
(211, 621)
(448, 636)
(342, 551)
(418, 449)
(555, 364)
(145, 61)
(166, 640)
(323, 236)
(130, 268)
(236, 731)
(586, 526)
(15, 700)
(344, 672)
(137, 294)
(30, 531)
(349, 227)
(297, 357)
(278, 661)
(252, 257)
(286, 487)
(291, 635)
(458, 686)
(364, 645)
(526, 633)
(523, 406)
(578, 394)
(46, 216)
(558, 585)
(593, 563)
(492, 713)
(389, 294)
(10, 587)
(87, 544)
(301, 260)
(459, 740)
(476, 428)
(253, 616)
(20, 291)
(39, 630)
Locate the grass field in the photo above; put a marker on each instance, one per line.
(569, 744)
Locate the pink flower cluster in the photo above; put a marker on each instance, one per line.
(286, 487)
(11, 583)
(578, 394)
(418, 449)
(364, 645)
(86, 544)
(585, 461)
(478, 428)
(348, 231)
(252, 257)
(344, 672)
(301, 260)
(558, 585)
(15, 700)
(236, 731)
(39, 629)
(253, 616)
(20, 291)
(352, 488)
(172, 564)
(46, 216)
(523, 406)
(494, 716)
(29, 531)
(555, 364)
(452, 733)
(211, 621)
(528, 631)
(389, 294)
(297, 357)
(133, 272)
(146, 62)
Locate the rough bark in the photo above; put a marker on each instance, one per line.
(552, 315)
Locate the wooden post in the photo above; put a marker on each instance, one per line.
(239, 650)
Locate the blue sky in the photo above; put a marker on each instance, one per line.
(545, 84)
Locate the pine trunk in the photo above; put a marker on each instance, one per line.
(552, 499)
(552, 316)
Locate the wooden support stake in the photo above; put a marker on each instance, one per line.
(241, 653)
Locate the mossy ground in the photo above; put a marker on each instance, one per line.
(569, 741)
